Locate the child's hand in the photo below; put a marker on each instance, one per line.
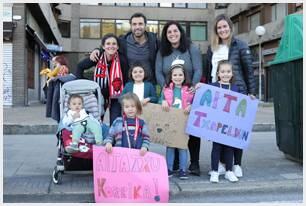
(165, 106)
(252, 96)
(108, 147)
(143, 151)
(76, 115)
(198, 85)
(192, 90)
(187, 110)
(145, 101)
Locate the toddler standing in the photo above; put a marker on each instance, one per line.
(129, 130)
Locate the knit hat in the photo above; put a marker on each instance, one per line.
(177, 63)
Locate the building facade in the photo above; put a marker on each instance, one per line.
(77, 29)
(27, 30)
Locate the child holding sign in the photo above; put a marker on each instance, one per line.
(129, 130)
(176, 94)
(225, 81)
(143, 89)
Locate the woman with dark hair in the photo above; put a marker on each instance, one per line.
(224, 46)
(110, 73)
(175, 45)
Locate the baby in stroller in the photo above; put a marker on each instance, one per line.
(75, 140)
(78, 119)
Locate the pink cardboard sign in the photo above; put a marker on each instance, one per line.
(125, 176)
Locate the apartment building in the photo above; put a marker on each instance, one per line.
(76, 29)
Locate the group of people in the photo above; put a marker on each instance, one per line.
(131, 67)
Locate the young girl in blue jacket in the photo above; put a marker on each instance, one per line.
(138, 84)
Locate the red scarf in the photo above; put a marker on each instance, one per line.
(113, 78)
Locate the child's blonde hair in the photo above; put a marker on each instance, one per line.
(134, 98)
(225, 62)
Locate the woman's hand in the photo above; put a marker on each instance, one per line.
(108, 147)
(192, 90)
(94, 55)
(145, 101)
(198, 85)
(187, 110)
(252, 96)
(165, 106)
(143, 151)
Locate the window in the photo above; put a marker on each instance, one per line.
(278, 11)
(122, 4)
(7, 13)
(198, 31)
(122, 27)
(181, 5)
(108, 4)
(196, 6)
(236, 27)
(151, 5)
(90, 28)
(165, 4)
(152, 26)
(254, 21)
(64, 27)
(108, 26)
(139, 4)
(89, 4)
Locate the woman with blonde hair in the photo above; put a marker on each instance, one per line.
(225, 46)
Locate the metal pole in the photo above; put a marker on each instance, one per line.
(259, 72)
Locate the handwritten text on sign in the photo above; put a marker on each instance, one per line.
(125, 176)
(222, 116)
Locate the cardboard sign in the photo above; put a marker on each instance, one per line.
(125, 176)
(166, 128)
(222, 116)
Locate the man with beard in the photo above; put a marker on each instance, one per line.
(137, 45)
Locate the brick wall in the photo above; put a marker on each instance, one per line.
(19, 57)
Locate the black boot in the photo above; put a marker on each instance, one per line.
(194, 168)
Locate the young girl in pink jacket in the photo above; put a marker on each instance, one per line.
(176, 94)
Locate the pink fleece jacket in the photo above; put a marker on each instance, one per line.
(187, 96)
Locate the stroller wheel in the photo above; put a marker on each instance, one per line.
(56, 176)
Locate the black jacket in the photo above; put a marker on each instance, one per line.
(87, 63)
(153, 46)
(240, 57)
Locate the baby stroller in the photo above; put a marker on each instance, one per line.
(93, 104)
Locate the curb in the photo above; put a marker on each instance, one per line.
(241, 187)
(29, 129)
(177, 189)
(12, 129)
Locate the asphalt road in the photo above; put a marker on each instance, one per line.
(268, 175)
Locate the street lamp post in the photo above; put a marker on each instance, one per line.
(260, 30)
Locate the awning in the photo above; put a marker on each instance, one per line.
(35, 36)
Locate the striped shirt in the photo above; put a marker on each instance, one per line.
(117, 132)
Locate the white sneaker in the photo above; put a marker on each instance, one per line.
(214, 176)
(237, 170)
(231, 176)
(221, 169)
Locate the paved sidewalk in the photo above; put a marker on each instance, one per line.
(32, 120)
(29, 160)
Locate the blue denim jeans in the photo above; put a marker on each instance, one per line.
(182, 158)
